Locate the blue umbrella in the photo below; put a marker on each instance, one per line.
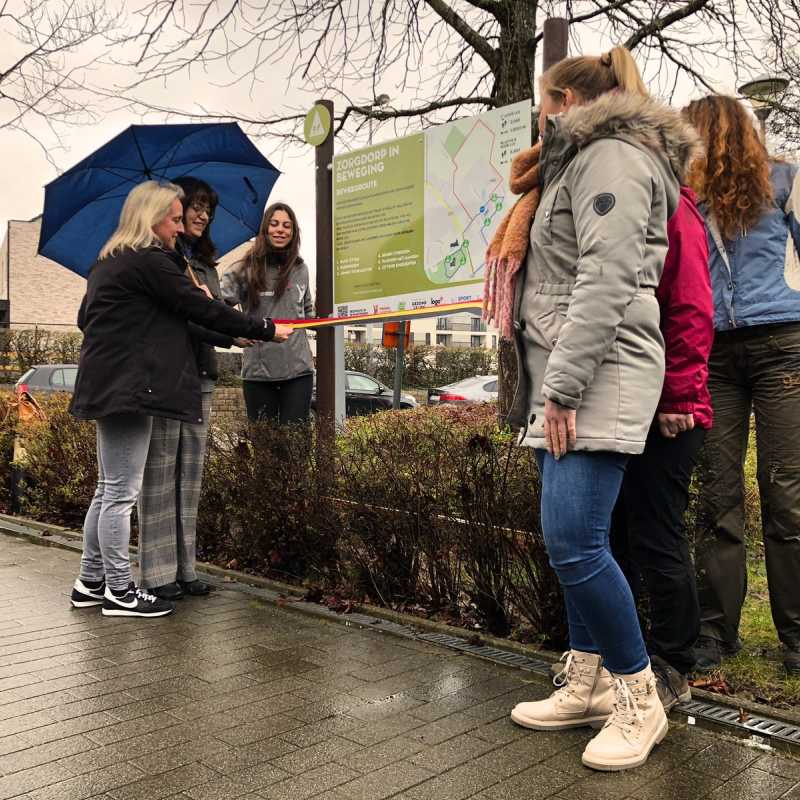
(82, 206)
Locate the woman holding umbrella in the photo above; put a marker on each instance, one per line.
(170, 493)
(136, 364)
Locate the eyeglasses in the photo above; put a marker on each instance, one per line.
(200, 208)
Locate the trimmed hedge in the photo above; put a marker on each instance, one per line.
(433, 511)
(424, 366)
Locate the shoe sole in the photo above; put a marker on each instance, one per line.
(120, 612)
(631, 763)
(85, 603)
(560, 725)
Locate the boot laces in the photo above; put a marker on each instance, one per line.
(626, 709)
(562, 680)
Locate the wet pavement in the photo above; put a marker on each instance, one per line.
(229, 698)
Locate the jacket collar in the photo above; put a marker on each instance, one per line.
(620, 115)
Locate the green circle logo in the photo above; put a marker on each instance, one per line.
(317, 125)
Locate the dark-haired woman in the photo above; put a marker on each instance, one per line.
(173, 474)
(751, 205)
(278, 381)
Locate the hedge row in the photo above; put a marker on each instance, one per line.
(433, 510)
(424, 366)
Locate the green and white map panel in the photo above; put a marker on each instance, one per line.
(412, 217)
(466, 189)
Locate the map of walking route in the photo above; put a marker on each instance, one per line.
(465, 197)
(413, 217)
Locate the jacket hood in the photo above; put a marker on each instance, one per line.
(639, 119)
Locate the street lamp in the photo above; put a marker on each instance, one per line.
(763, 92)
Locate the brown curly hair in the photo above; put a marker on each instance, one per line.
(262, 254)
(733, 177)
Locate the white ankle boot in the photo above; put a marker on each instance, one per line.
(585, 696)
(636, 726)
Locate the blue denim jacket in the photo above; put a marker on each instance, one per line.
(756, 277)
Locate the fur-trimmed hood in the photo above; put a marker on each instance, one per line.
(642, 121)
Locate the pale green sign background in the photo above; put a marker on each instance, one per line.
(379, 203)
(317, 125)
(413, 217)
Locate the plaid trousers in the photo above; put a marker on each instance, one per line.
(168, 501)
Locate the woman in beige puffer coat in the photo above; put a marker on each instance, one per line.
(591, 359)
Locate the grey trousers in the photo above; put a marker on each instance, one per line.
(169, 499)
(122, 444)
(758, 370)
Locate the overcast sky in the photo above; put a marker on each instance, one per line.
(25, 168)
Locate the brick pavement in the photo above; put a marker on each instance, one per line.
(229, 698)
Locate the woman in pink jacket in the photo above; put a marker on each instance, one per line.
(648, 535)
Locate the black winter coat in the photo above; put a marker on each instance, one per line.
(137, 355)
(204, 340)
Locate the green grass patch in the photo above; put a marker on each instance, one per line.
(757, 672)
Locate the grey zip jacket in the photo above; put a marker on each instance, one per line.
(271, 361)
(586, 316)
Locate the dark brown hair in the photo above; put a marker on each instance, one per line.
(262, 254)
(197, 191)
(591, 76)
(733, 177)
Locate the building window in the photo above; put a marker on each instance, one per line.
(441, 324)
(478, 325)
(494, 343)
(476, 341)
(358, 337)
(427, 338)
(444, 339)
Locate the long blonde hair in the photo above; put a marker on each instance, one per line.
(145, 206)
(591, 76)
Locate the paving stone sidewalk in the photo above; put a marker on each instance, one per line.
(229, 698)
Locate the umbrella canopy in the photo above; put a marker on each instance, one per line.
(82, 206)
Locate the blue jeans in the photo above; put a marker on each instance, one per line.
(578, 495)
(122, 444)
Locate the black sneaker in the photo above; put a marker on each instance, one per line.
(135, 603)
(196, 588)
(84, 596)
(791, 661)
(168, 591)
(671, 685)
(710, 652)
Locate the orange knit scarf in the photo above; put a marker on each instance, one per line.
(510, 244)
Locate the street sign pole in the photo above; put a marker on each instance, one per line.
(399, 365)
(319, 132)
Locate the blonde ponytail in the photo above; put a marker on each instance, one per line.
(626, 73)
(591, 76)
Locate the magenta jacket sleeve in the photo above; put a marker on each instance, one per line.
(687, 314)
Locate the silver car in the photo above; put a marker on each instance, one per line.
(480, 389)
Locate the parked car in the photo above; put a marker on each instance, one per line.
(365, 395)
(480, 389)
(47, 378)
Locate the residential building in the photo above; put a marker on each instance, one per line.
(35, 291)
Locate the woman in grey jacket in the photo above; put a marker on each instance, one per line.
(278, 382)
(591, 369)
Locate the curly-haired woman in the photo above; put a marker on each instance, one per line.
(751, 204)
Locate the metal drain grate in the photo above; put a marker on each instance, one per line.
(753, 724)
